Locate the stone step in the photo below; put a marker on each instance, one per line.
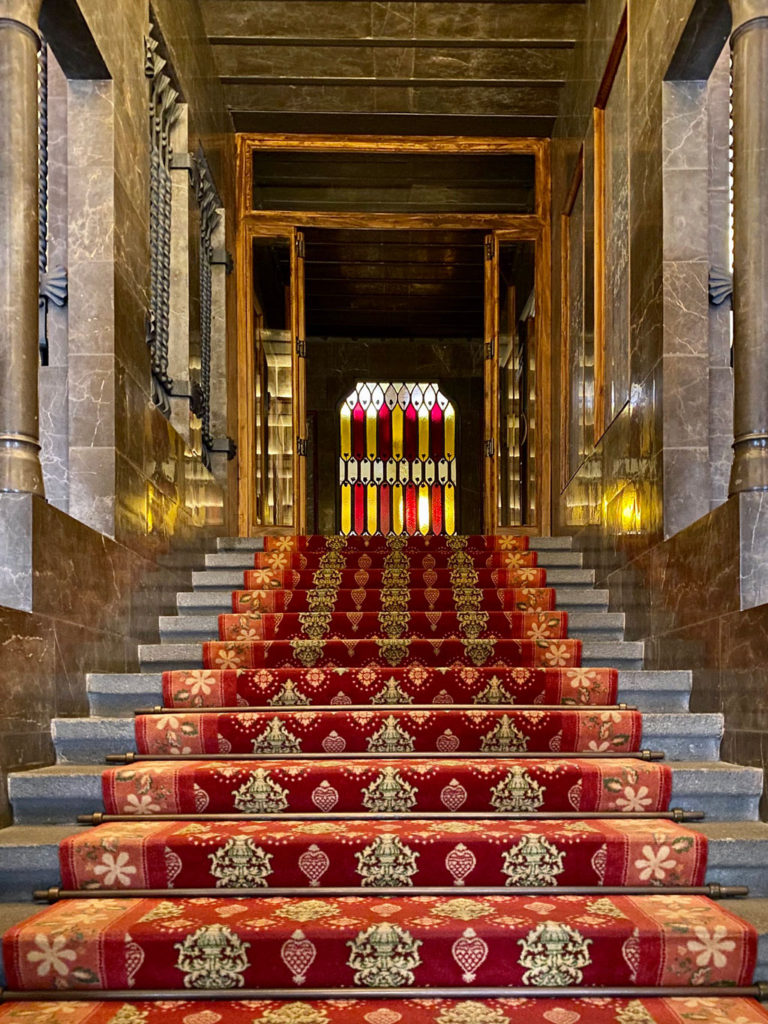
(682, 737)
(121, 693)
(737, 855)
(650, 690)
(57, 794)
(595, 654)
(218, 601)
(257, 543)
(240, 559)
(232, 579)
(191, 628)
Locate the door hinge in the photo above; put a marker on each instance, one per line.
(489, 448)
(299, 242)
(301, 348)
(490, 247)
(301, 445)
(490, 348)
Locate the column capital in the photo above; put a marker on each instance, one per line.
(745, 11)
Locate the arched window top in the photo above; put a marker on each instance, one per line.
(397, 465)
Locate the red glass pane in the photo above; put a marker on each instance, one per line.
(385, 433)
(359, 509)
(385, 503)
(436, 433)
(411, 501)
(411, 434)
(358, 432)
(437, 509)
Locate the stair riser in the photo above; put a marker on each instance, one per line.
(723, 795)
(232, 579)
(257, 543)
(244, 560)
(24, 868)
(88, 741)
(219, 601)
(183, 629)
(595, 654)
(121, 695)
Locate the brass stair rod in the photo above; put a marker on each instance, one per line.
(713, 891)
(678, 815)
(367, 755)
(133, 995)
(342, 708)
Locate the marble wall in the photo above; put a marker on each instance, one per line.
(82, 589)
(648, 504)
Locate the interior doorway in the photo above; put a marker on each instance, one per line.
(394, 365)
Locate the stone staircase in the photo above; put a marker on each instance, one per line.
(47, 801)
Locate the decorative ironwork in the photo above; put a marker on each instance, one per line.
(209, 206)
(164, 111)
(52, 285)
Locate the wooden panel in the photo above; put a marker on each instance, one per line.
(565, 319)
(299, 378)
(491, 380)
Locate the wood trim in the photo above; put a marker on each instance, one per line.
(598, 124)
(522, 227)
(491, 382)
(565, 318)
(298, 383)
(249, 141)
(277, 220)
(612, 65)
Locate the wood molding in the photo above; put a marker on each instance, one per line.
(565, 318)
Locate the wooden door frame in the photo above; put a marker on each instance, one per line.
(254, 223)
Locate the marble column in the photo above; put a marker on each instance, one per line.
(749, 44)
(19, 432)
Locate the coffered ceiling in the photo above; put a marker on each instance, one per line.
(489, 67)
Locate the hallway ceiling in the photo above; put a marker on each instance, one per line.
(394, 283)
(491, 67)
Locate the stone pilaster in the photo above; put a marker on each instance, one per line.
(19, 432)
(749, 44)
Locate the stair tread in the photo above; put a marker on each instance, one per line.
(344, 934)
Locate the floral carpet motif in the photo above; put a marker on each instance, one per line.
(357, 624)
(426, 579)
(147, 854)
(386, 784)
(375, 942)
(391, 651)
(443, 730)
(373, 599)
(380, 684)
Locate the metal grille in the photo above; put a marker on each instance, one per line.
(164, 110)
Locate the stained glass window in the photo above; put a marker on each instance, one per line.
(397, 465)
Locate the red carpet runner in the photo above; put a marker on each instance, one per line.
(367, 679)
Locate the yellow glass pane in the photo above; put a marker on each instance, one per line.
(346, 509)
(423, 432)
(370, 431)
(397, 433)
(423, 509)
(449, 495)
(450, 432)
(397, 508)
(346, 431)
(372, 496)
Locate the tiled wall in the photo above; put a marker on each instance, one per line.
(647, 506)
(96, 590)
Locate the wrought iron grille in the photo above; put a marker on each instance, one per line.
(164, 111)
(209, 204)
